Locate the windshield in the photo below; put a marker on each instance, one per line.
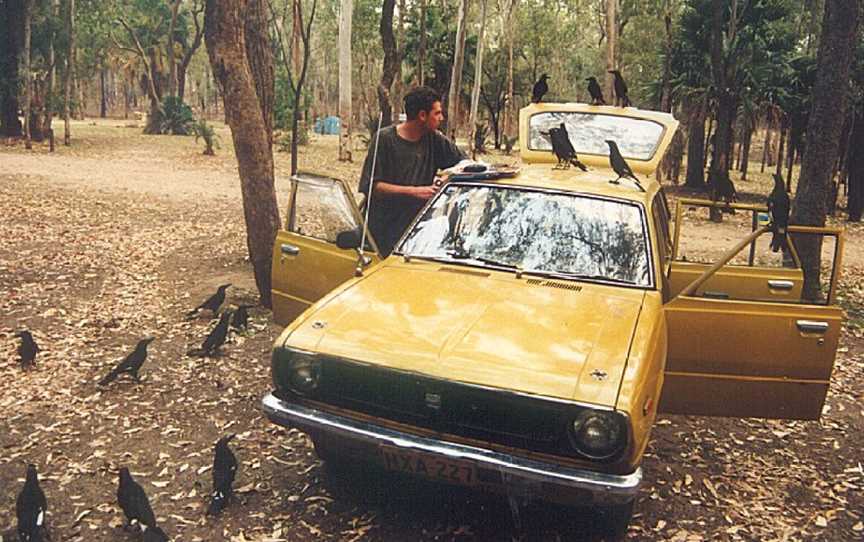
(540, 232)
(637, 138)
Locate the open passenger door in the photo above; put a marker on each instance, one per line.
(742, 355)
(307, 263)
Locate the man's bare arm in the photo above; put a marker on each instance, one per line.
(420, 192)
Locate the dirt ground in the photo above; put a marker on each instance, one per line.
(120, 235)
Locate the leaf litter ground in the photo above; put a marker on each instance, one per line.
(118, 236)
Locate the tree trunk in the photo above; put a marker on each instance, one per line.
(391, 62)
(260, 59)
(830, 97)
(781, 145)
(103, 99)
(666, 82)
(305, 34)
(456, 77)
(611, 46)
(28, 86)
(696, 145)
(478, 74)
(70, 71)
(225, 35)
(345, 112)
(421, 47)
(510, 103)
(172, 62)
(855, 165)
(11, 12)
(745, 151)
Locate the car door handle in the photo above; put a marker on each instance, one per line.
(290, 250)
(811, 326)
(784, 285)
(715, 295)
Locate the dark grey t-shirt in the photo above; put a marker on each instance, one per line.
(405, 163)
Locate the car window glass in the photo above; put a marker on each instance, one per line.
(321, 208)
(637, 138)
(537, 231)
(661, 220)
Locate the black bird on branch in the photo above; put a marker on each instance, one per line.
(27, 349)
(240, 321)
(563, 148)
(778, 209)
(540, 89)
(154, 534)
(224, 470)
(134, 502)
(216, 338)
(595, 91)
(30, 507)
(620, 165)
(723, 188)
(131, 364)
(212, 303)
(621, 98)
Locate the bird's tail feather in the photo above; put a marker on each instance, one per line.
(579, 164)
(109, 377)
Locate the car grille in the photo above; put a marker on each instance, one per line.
(509, 419)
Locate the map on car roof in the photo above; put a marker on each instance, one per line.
(637, 139)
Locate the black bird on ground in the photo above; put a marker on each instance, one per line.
(778, 209)
(240, 320)
(30, 508)
(224, 470)
(27, 349)
(540, 89)
(620, 87)
(134, 502)
(620, 165)
(214, 341)
(154, 534)
(212, 303)
(563, 148)
(132, 364)
(595, 91)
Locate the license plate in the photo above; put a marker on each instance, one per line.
(430, 467)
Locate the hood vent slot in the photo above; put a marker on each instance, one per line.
(464, 271)
(553, 284)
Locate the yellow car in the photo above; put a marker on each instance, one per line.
(526, 331)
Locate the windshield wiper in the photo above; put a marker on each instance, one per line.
(462, 254)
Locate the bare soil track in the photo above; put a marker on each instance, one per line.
(118, 236)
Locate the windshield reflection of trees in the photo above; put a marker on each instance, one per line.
(535, 231)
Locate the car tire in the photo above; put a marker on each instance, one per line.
(615, 520)
(330, 453)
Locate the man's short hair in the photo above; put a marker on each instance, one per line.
(420, 99)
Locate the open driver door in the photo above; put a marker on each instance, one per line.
(307, 260)
(752, 357)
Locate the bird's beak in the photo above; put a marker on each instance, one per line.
(149, 340)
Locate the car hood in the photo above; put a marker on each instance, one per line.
(561, 339)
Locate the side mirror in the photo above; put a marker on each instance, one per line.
(348, 239)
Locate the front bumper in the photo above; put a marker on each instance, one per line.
(509, 474)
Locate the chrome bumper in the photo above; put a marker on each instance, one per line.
(537, 478)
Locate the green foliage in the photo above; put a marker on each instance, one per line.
(204, 131)
(283, 139)
(174, 117)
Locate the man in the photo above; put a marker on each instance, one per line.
(409, 155)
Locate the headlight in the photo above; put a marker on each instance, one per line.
(598, 434)
(297, 370)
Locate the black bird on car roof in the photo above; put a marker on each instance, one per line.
(540, 89)
(621, 97)
(595, 91)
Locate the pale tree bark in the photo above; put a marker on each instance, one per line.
(28, 85)
(226, 27)
(508, 13)
(456, 78)
(70, 72)
(830, 100)
(172, 62)
(345, 112)
(478, 74)
(611, 44)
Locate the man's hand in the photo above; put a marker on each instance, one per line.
(424, 192)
